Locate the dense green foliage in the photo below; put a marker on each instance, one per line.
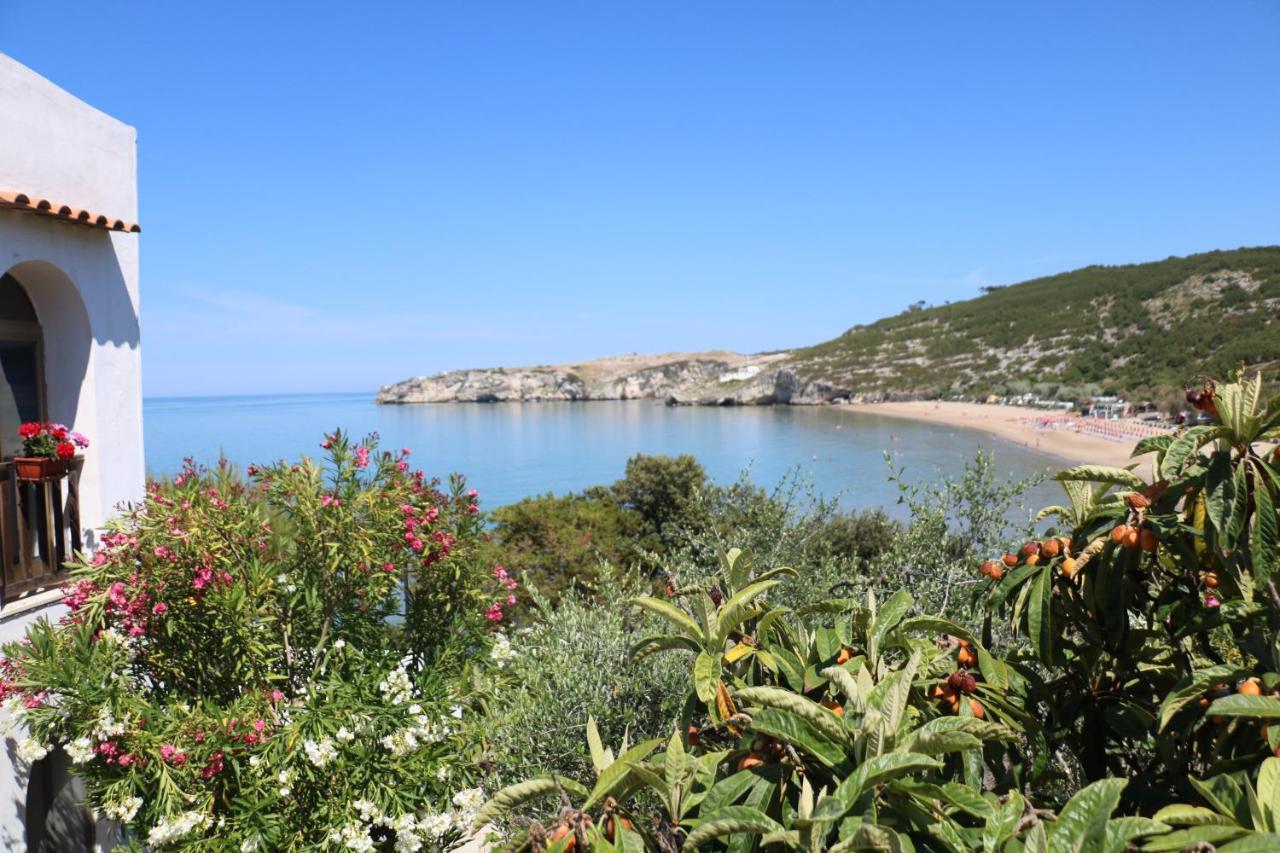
(665, 514)
(1129, 687)
(1143, 330)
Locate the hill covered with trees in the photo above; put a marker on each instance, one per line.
(1142, 330)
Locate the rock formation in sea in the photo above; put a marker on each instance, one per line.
(707, 379)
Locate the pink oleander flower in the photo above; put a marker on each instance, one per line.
(388, 567)
(276, 696)
(402, 466)
(471, 493)
(1211, 601)
(159, 608)
(362, 457)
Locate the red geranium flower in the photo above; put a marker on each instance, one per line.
(66, 450)
(29, 430)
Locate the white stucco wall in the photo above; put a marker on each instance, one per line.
(83, 283)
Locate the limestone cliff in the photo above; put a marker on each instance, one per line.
(709, 379)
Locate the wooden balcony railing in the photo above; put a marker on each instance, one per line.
(39, 529)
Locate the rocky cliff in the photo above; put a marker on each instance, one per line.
(707, 379)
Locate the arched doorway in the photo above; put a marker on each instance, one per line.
(39, 521)
(22, 395)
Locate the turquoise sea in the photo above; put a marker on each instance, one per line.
(512, 450)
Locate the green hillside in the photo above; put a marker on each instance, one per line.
(1142, 330)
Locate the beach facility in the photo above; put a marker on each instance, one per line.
(69, 354)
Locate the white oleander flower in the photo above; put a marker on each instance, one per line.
(320, 754)
(80, 750)
(125, 810)
(434, 826)
(396, 687)
(502, 650)
(468, 802)
(353, 836)
(345, 735)
(172, 828)
(367, 810)
(31, 750)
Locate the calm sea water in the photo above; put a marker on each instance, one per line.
(511, 450)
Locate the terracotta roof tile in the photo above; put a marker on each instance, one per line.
(10, 200)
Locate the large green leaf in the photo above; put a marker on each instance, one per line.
(512, 796)
(799, 732)
(1184, 446)
(731, 614)
(1265, 541)
(873, 771)
(616, 773)
(666, 642)
(1220, 495)
(677, 617)
(784, 700)
(1082, 823)
(1269, 792)
(1039, 615)
(934, 736)
(1180, 814)
(729, 790)
(1184, 839)
(1239, 705)
(600, 756)
(706, 677)
(887, 618)
(1122, 830)
(730, 820)
(1103, 474)
(1257, 842)
(1191, 688)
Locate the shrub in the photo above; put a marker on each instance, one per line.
(558, 543)
(1153, 620)
(573, 663)
(272, 665)
(810, 735)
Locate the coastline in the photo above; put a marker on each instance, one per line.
(1011, 423)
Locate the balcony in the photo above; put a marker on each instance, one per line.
(39, 530)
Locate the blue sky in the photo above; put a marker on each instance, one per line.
(336, 196)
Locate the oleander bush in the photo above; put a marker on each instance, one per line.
(1128, 700)
(272, 665)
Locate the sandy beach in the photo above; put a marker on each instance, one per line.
(1019, 425)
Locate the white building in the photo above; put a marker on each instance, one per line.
(69, 353)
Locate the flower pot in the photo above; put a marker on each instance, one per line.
(34, 469)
